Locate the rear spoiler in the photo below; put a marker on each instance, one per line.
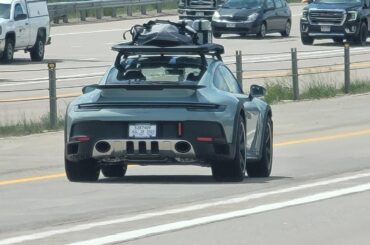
(90, 88)
(187, 105)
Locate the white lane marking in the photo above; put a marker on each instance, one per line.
(87, 32)
(46, 79)
(88, 59)
(302, 54)
(125, 236)
(41, 82)
(88, 226)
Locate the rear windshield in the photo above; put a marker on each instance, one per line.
(158, 69)
(4, 11)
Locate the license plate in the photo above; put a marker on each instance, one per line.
(325, 28)
(199, 14)
(142, 130)
(230, 25)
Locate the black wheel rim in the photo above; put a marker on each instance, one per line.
(9, 51)
(242, 150)
(263, 30)
(287, 28)
(41, 48)
(268, 146)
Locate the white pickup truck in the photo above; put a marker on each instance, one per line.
(24, 25)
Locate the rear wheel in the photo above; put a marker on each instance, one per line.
(114, 170)
(262, 31)
(82, 171)
(217, 34)
(288, 27)
(262, 168)
(8, 51)
(38, 51)
(233, 170)
(307, 40)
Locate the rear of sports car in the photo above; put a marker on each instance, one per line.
(169, 126)
(130, 118)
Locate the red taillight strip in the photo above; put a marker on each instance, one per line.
(180, 129)
(205, 139)
(80, 138)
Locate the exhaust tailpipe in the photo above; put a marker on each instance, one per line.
(102, 146)
(182, 147)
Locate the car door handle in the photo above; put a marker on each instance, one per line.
(26, 24)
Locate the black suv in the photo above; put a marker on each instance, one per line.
(337, 20)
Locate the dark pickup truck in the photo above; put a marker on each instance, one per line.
(337, 20)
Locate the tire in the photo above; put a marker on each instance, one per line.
(217, 34)
(114, 170)
(8, 53)
(307, 40)
(262, 31)
(82, 171)
(262, 168)
(233, 170)
(362, 35)
(288, 27)
(38, 51)
(338, 40)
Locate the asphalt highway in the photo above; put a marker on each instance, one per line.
(318, 192)
(82, 54)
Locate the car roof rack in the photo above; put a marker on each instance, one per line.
(128, 49)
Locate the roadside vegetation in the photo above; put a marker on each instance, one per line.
(26, 126)
(282, 90)
(277, 91)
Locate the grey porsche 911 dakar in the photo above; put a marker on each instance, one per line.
(168, 100)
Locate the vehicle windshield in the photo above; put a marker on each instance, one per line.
(158, 70)
(4, 11)
(337, 1)
(239, 4)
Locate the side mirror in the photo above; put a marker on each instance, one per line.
(20, 17)
(257, 91)
(89, 88)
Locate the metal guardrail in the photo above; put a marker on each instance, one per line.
(61, 10)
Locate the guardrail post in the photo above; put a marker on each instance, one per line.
(295, 74)
(159, 7)
(114, 12)
(83, 15)
(129, 11)
(239, 67)
(56, 20)
(65, 18)
(99, 13)
(347, 68)
(143, 9)
(52, 95)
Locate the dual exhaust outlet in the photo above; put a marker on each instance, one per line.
(181, 147)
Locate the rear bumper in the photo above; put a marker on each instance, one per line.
(168, 148)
